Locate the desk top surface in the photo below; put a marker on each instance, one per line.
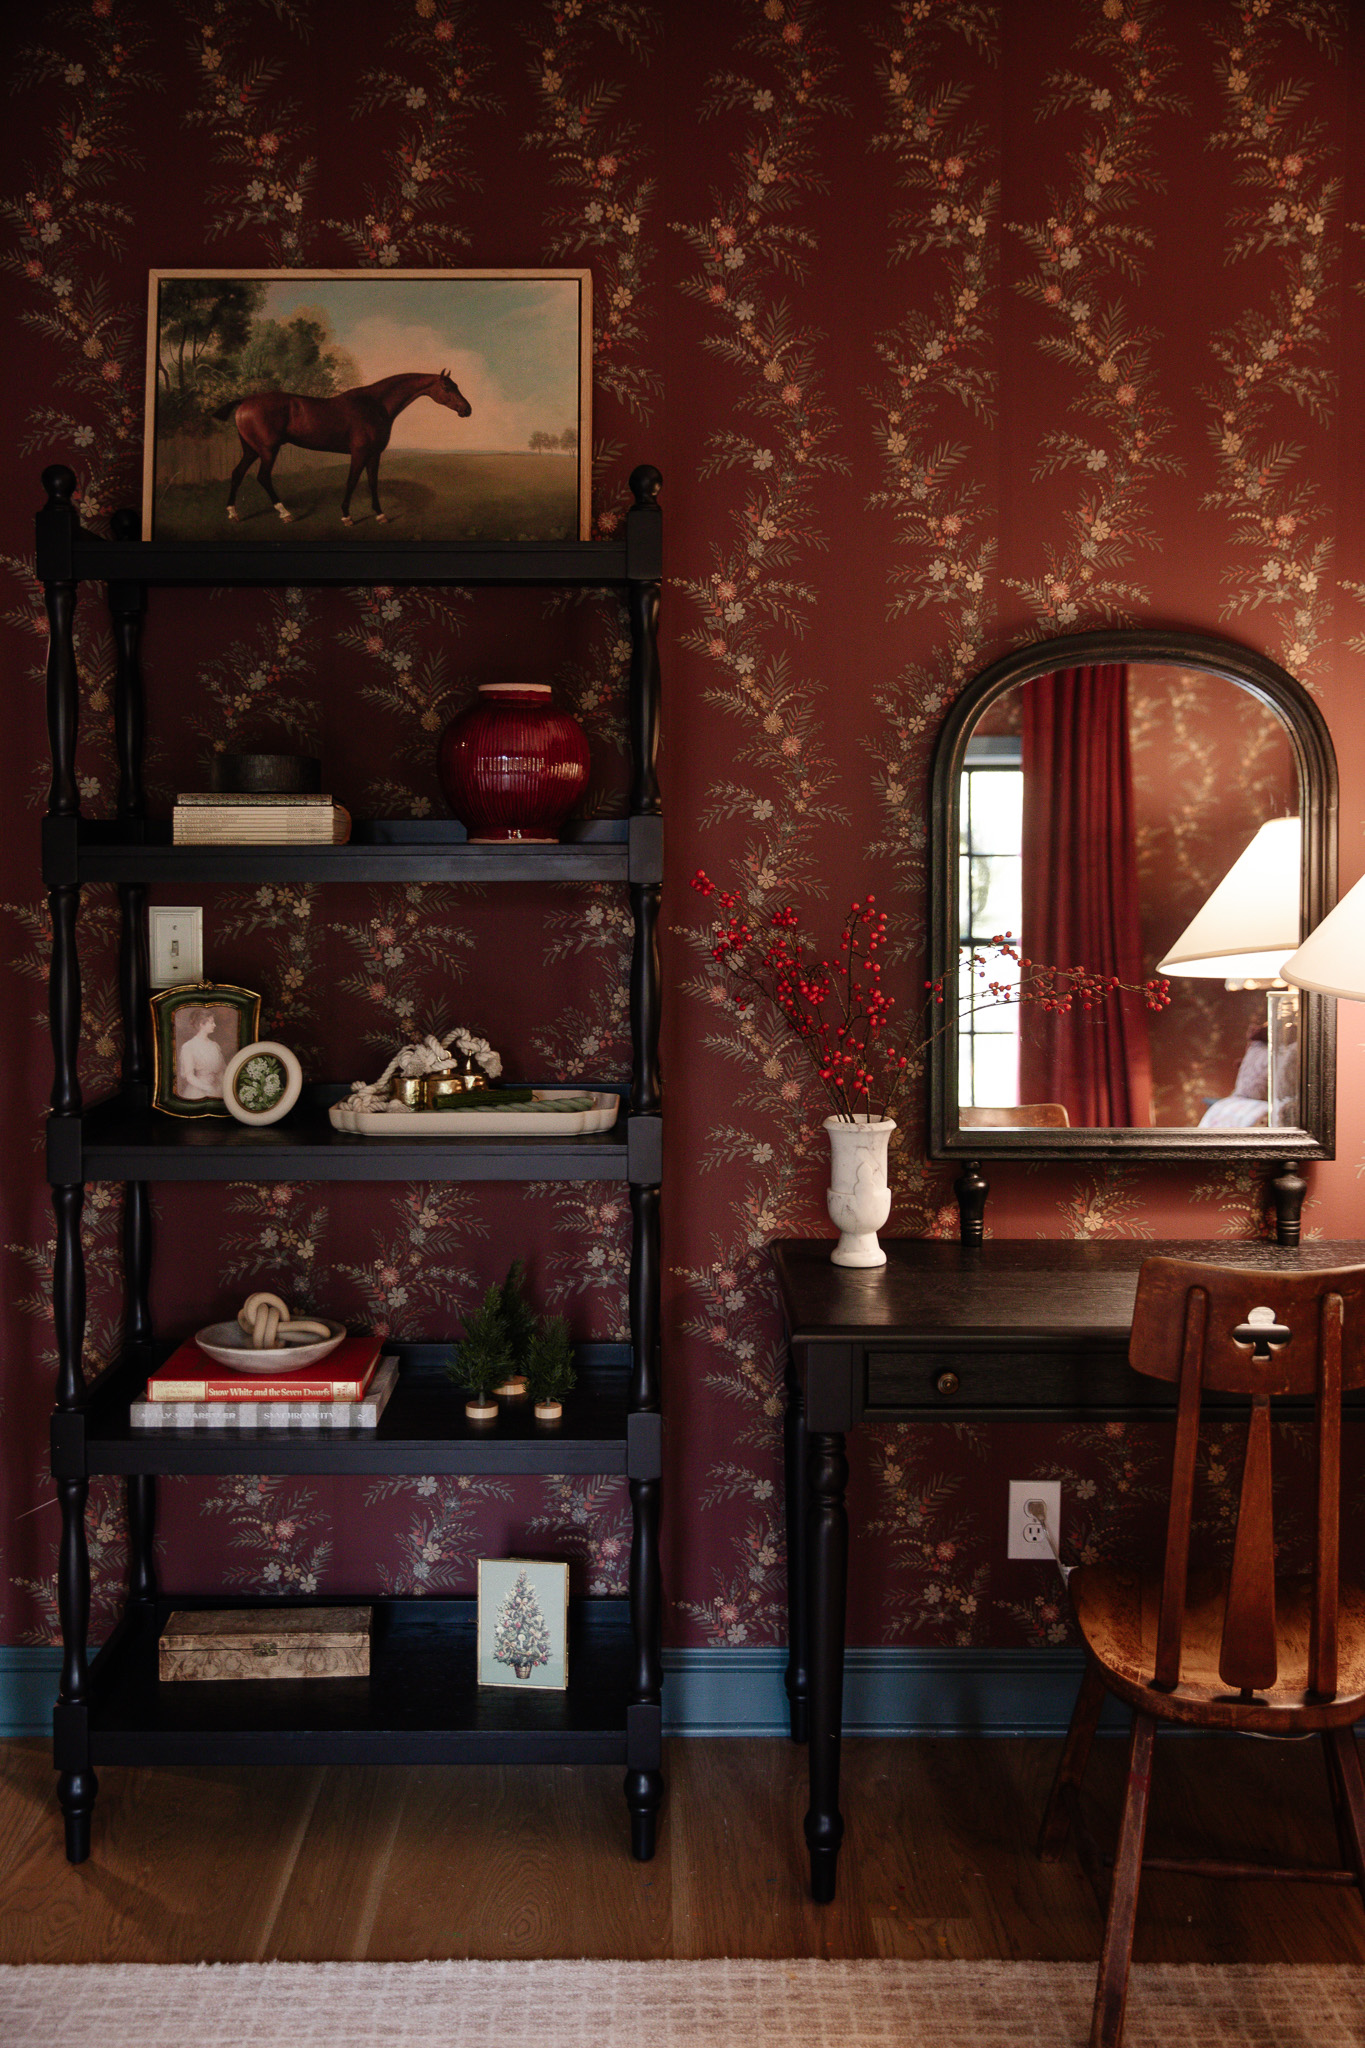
(1029, 1288)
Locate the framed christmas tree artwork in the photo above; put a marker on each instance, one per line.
(523, 1629)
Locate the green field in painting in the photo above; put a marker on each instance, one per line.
(443, 498)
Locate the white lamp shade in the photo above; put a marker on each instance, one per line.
(1331, 959)
(1250, 924)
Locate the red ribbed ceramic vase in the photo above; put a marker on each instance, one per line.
(511, 766)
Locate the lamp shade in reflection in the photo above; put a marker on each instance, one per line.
(1250, 924)
(1331, 959)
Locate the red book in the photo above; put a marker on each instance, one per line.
(189, 1374)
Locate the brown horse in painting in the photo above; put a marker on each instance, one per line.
(355, 423)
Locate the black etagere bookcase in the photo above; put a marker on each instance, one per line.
(421, 1703)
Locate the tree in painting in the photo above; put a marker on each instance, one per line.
(214, 346)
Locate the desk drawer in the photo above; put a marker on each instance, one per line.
(941, 1379)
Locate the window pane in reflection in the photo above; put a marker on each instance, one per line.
(995, 1067)
(997, 810)
(996, 894)
(990, 886)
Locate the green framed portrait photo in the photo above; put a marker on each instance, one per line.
(198, 1028)
(289, 407)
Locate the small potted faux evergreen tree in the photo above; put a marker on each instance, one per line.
(519, 1326)
(549, 1367)
(484, 1358)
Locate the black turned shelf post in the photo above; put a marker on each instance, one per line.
(644, 1785)
(644, 557)
(127, 610)
(57, 528)
(644, 565)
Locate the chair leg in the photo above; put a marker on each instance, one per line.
(1056, 1825)
(1347, 1778)
(1111, 1988)
(1337, 1794)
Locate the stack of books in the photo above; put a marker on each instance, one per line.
(227, 818)
(346, 1390)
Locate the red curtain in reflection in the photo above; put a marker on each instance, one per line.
(1080, 896)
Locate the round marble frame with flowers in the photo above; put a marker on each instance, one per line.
(262, 1083)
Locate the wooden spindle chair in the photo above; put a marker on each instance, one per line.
(1019, 1116)
(1236, 1650)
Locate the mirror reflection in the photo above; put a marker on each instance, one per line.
(1099, 811)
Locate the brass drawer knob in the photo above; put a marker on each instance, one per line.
(947, 1383)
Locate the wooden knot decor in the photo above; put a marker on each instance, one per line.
(267, 1321)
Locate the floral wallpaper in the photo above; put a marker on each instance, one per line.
(951, 325)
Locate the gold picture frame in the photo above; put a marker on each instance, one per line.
(198, 1027)
(523, 1606)
(273, 397)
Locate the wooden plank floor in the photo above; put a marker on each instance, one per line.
(394, 1865)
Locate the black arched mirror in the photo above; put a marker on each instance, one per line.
(1090, 796)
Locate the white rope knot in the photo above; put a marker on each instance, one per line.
(267, 1321)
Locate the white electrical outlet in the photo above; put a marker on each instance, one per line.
(175, 944)
(1027, 1535)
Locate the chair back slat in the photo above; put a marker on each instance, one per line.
(1171, 1620)
(1213, 1328)
(1248, 1660)
(1159, 1323)
(1322, 1641)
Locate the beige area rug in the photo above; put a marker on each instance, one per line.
(669, 2005)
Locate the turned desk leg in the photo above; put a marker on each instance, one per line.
(828, 1589)
(796, 1451)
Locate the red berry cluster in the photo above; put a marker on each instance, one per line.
(1055, 989)
(860, 1066)
(861, 1070)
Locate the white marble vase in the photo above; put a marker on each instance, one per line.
(859, 1198)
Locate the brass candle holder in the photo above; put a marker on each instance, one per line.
(463, 1078)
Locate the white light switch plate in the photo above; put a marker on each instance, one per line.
(175, 944)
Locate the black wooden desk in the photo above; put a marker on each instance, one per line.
(1028, 1330)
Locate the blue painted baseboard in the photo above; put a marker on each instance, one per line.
(886, 1692)
(740, 1692)
(28, 1687)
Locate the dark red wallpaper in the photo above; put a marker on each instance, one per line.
(950, 325)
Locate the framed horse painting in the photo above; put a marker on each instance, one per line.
(287, 407)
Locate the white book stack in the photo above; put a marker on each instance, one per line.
(363, 1414)
(221, 818)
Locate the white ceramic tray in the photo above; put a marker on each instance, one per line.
(538, 1118)
(228, 1344)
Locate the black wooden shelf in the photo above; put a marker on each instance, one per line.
(421, 1703)
(589, 564)
(379, 850)
(117, 1141)
(423, 1430)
